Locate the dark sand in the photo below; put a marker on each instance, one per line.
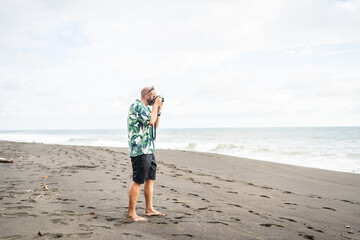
(74, 192)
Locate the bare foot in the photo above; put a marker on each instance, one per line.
(155, 213)
(136, 218)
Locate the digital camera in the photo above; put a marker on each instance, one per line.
(162, 99)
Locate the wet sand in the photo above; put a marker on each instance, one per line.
(76, 192)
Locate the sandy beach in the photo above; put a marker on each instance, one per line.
(76, 192)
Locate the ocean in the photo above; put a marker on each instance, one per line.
(331, 148)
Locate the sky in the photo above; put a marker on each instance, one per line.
(80, 64)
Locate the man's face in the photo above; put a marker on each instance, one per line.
(150, 97)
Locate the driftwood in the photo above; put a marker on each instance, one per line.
(3, 160)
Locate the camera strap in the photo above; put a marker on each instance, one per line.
(153, 132)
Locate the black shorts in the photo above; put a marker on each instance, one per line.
(144, 167)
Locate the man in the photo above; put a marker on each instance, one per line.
(141, 123)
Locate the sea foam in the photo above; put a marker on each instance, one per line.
(331, 148)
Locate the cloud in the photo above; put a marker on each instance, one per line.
(12, 84)
(253, 62)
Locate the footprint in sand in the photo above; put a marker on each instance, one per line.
(193, 194)
(206, 183)
(306, 236)
(235, 219)
(288, 192)
(217, 222)
(58, 220)
(232, 192)
(218, 211)
(185, 205)
(19, 207)
(182, 235)
(68, 212)
(347, 201)
(19, 214)
(264, 196)
(66, 200)
(162, 223)
(314, 196)
(111, 219)
(288, 219)
(328, 208)
(315, 229)
(270, 225)
(182, 203)
(287, 203)
(235, 205)
(229, 180)
(255, 213)
(91, 181)
(130, 234)
(203, 208)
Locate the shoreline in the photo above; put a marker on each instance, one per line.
(75, 192)
(183, 150)
(327, 148)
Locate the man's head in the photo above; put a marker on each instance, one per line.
(147, 95)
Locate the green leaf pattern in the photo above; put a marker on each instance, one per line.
(139, 131)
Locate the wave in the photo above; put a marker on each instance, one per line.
(326, 148)
(81, 139)
(192, 146)
(225, 147)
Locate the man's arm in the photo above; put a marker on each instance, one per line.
(154, 115)
(155, 111)
(158, 117)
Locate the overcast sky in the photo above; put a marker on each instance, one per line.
(80, 64)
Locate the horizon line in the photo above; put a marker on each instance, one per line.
(69, 129)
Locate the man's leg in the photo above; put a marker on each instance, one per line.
(133, 196)
(148, 192)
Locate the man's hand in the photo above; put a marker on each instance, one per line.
(158, 101)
